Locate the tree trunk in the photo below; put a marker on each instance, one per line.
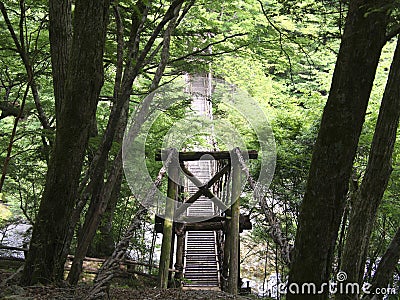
(60, 34)
(84, 79)
(102, 192)
(104, 243)
(336, 145)
(367, 201)
(386, 267)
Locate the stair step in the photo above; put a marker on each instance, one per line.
(205, 277)
(209, 269)
(200, 275)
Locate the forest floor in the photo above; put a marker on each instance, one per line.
(139, 288)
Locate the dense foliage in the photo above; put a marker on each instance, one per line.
(280, 52)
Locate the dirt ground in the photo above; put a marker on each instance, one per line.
(49, 292)
(141, 289)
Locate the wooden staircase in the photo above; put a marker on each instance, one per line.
(201, 263)
(201, 257)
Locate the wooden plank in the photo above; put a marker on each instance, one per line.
(226, 251)
(204, 226)
(12, 258)
(204, 155)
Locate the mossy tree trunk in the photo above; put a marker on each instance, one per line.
(336, 145)
(374, 183)
(76, 107)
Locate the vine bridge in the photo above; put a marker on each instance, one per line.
(201, 221)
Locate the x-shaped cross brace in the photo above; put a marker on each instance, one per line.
(204, 189)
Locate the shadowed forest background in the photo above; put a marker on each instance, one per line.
(326, 73)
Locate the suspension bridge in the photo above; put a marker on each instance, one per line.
(202, 245)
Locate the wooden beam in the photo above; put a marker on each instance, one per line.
(205, 226)
(171, 256)
(124, 261)
(12, 258)
(204, 155)
(160, 219)
(244, 223)
(221, 225)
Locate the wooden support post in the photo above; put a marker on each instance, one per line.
(171, 256)
(227, 251)
(238, 259)
(180, 252)
(172, 194)
(234, 227)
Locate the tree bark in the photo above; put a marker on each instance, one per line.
(84, 79)
(379, 167)
(336, 145)
(60, 35)
(104, 243)
(96, 171)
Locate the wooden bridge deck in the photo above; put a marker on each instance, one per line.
(201, 256)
